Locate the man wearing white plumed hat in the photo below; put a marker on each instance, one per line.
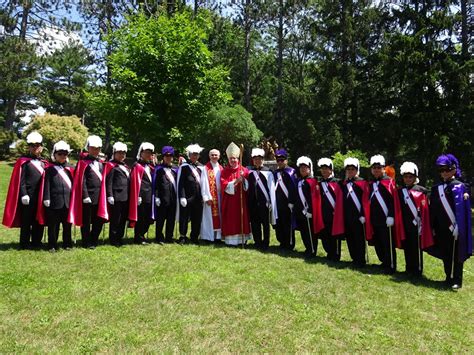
(383, 214)
(22, 208)
(190, 195)
(86, 205)
(117, 182)
(141, 193)
(306, 207)
(332, 210)
(57, 195)
(356, 208)
(261, 200)
(416, 221)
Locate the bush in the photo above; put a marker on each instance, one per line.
(7, 137)
(54, 128)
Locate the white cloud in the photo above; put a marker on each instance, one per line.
(51, 39)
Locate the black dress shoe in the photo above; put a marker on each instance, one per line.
(182, 240)
(169, 240)
(456, 287)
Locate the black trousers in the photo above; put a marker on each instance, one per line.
(445, 241)
(31, 232)
(118, 220)
(192, 212)
(284, 231)
(55, 219)
(413, 253)
(260, 219)
(331, 244)
(305, 227)
(355, 237)
(143, 223)
(165, 214)
(386, 255)
(91, 225)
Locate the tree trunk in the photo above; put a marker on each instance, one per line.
(464, 30)
(247, 30)
(279, 74)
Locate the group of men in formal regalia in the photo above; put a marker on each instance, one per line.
(234, 204)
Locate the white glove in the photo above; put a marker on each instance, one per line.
(456, 232)
(110, 200)
(25, 200)
(466, 196)
(290, 206)
(139, 200)
(390, 221)
(362, 220)
(47, 203)
(308, 215)
(87, 200)
(157, 201)
(183, 202)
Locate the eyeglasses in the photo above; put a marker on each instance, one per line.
(61, 153)
(444, 170)
(280, 160)
(377, 167)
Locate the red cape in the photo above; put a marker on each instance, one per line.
(75, 205)
(338, 215)
(41, 214)
(318, 223)
(233, 204)
(104, 212)
(421, 204)
(11, 215)
(398, 230)
(136, 176)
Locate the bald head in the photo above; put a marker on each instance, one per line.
(214, 155)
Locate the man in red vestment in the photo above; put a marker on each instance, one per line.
(234, 184)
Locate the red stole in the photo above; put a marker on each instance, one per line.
(11, 214)
(232, 205)
(216, 223)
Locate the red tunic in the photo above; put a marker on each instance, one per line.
(232, 205)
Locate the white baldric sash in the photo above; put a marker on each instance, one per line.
(62, 173)
(379, 198)
(170, 177)
(328, 194)
(301, 194)
(260, 184)
(411, 205)
(95, 169)
(447, 207)
(282, 185)
(148, 172)
(38, 166)
(124, 169)
(195, 173)
(353, 195)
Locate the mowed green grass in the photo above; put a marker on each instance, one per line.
(175, 298)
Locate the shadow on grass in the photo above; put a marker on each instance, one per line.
(370, 269)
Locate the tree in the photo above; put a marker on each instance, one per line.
(64, 80)
(24, 23)
(164, 77)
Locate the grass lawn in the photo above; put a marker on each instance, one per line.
(217, 299)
